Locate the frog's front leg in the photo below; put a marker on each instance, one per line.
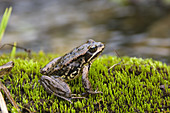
(86, 82)
(57, 87)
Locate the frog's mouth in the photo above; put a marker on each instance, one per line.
(95, 55)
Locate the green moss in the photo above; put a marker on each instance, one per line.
(136, 85)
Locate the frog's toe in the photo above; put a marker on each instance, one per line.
(75, 96)
(94, 92)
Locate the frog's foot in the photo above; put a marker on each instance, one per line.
(74, 96)
(78, 98)
(94, 92)
(69, 99)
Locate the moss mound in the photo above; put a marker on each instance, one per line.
(136, 85)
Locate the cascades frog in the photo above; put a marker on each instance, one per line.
(70, 66)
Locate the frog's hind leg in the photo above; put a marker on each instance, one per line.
(57, 87)
(86, 82)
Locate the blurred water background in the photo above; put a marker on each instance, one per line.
(139, 28)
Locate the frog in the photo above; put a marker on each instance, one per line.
(73, 64)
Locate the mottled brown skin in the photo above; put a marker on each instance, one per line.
(70, 66)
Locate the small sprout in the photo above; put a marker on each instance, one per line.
(25, 100)
(14, 110)
(44, 105)
(13, 51)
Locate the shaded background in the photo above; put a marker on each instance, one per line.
(138, 28)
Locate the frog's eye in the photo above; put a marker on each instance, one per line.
(93, 49)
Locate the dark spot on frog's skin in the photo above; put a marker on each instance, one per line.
(80, 61)
(52, 65)
(67, 64)
(48, 69)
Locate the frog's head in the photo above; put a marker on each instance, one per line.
(94, 50)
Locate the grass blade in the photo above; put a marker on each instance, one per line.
(4, 21)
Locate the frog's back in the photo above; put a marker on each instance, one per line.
(72, 56)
